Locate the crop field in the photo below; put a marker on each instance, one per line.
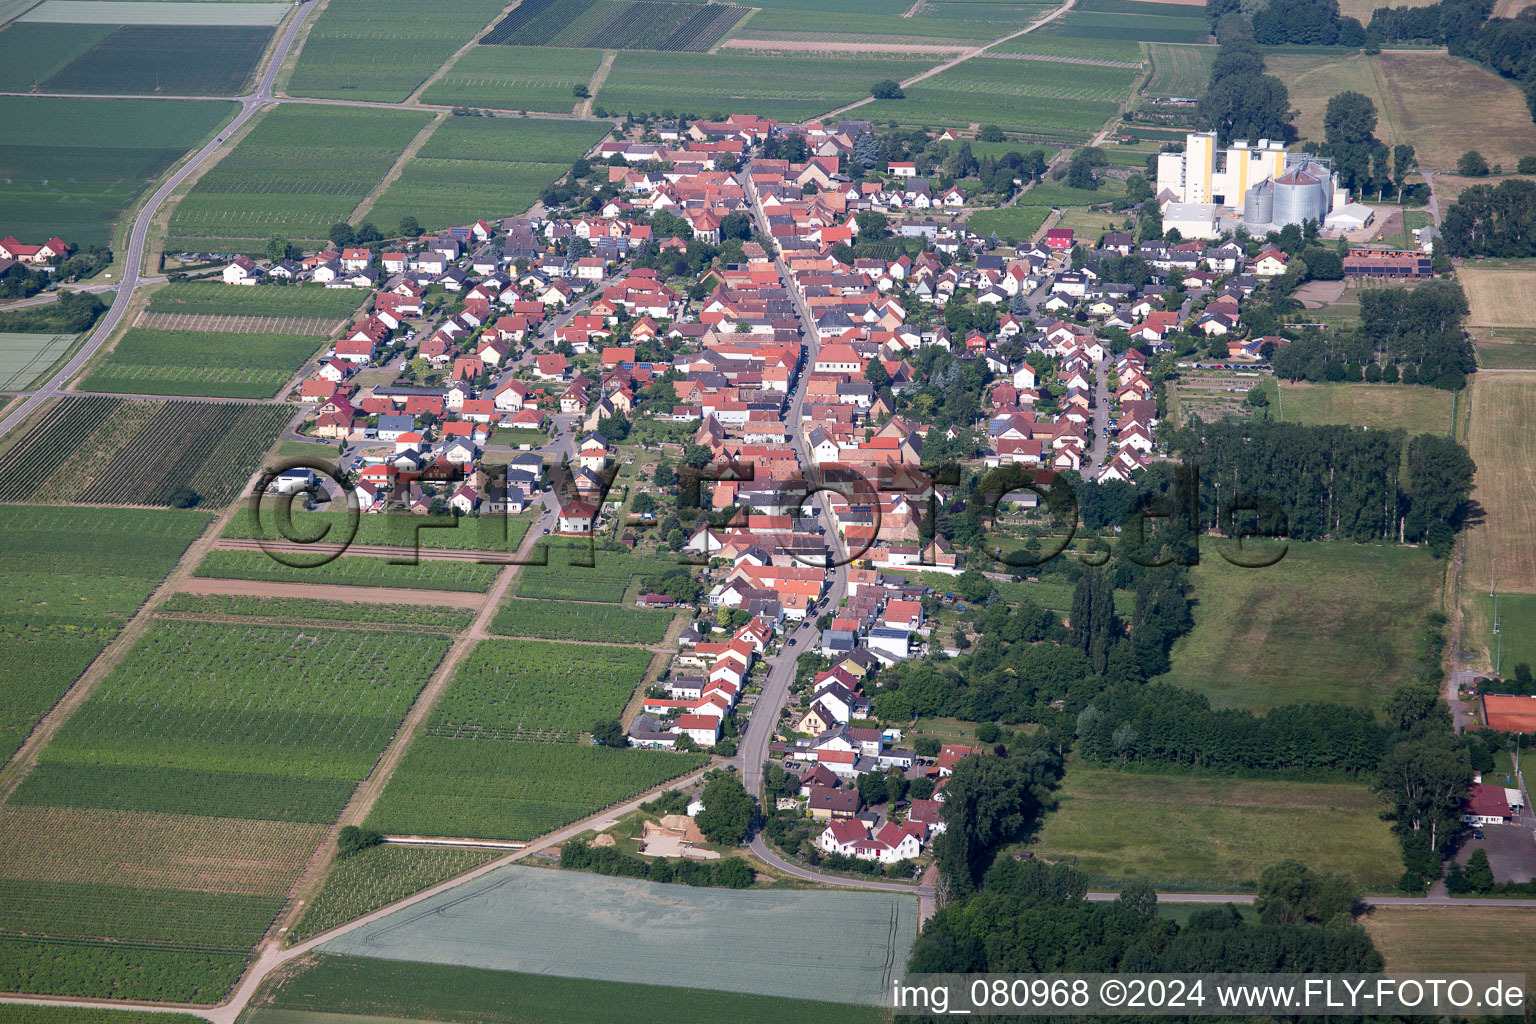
(333, 989)
(1312, 79)
(528, 690)
(1426, 92)
(73, 577)
(604, 580)
(492, 789)
(315, 301)
(179, 60)
(301, 609)
(212, 323)
(1179, 70)
(562, 922)
(31, 54)
(1207, 833)
(1126, 50)
(1332, 622)
(70, 167)
(836, 27)
(256, 721)
(1428, 938)
(485, 533)
(1089, 23)
(21, 1013)
(616, 24)
(383, 49)
(572, 620)
(351, 571)
(300, 170)
(1502, 297)
(155, 362)
(476, 167)
(155, 12)
(515, 78)
(1503, 434)
(1418, 410)
(1015, 225)
(1033, 94)
(773, 86)
(24, 358)
(120, 451)
(377, 877)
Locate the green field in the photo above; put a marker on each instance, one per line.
(154, 362)
(351, 571)
(493, 789)
(300, 170)
(1145, 28)
(1418, 410)
(616, 24)
(31, 54)
(25, 358)
(362, 990)
(475, 167)
(156, 13)
(778, 86)
(116, 451)
(605, 580)
(270, 722)
(21, 1013)
(1065, 46)
(377, 877)
(1016, 224)
(1179, 70)
(1206, 833)
(304, 609)
(271, 300)
(574, 620)
(515, 78)
(73, 577)
(1516, 641)
(179, 60)
(386, 529)
(832, 27)
(1332, 622)
(70, 167)
(383, 49)
(532, 690)
(1043, 96)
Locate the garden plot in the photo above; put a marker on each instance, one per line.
(833, 945)
(1213, 394)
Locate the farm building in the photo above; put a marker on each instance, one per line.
(1397, 263)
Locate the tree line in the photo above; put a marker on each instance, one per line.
(1492, 220)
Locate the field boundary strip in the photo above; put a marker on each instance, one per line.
(214, 323)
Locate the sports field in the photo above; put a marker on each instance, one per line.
(1502, 438)
(836, 946)
(1207, 833)
(1418, 410)
(1429, 938)
(474, 167)
(1040, 95)
(1333, 622)
(1500, 297)
(70, 167)
(300, 170)
(515, 78)
(155, 12)
(26, 357)
(383, 49)
(332, 989)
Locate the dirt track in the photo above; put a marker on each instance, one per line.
(354, 595)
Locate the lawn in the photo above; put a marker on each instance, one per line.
(70, 167)
(383, 49)
(1217, 834)
(73, 577)
(788, 88)
(1037, 95)
(475, 167)
(374, 991)
(301, 169)
(830, 944)
(1502, 438)
(1418, 410)
(576, 620)
(1417, 939)
(377, 877)
(1179, 70)
(516, 78)
(103, 450)
(258, 721)
(1333, 622)
(495, 789)
(155, 362)
(24, 358)
(1516, 641)
(1500, 297)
